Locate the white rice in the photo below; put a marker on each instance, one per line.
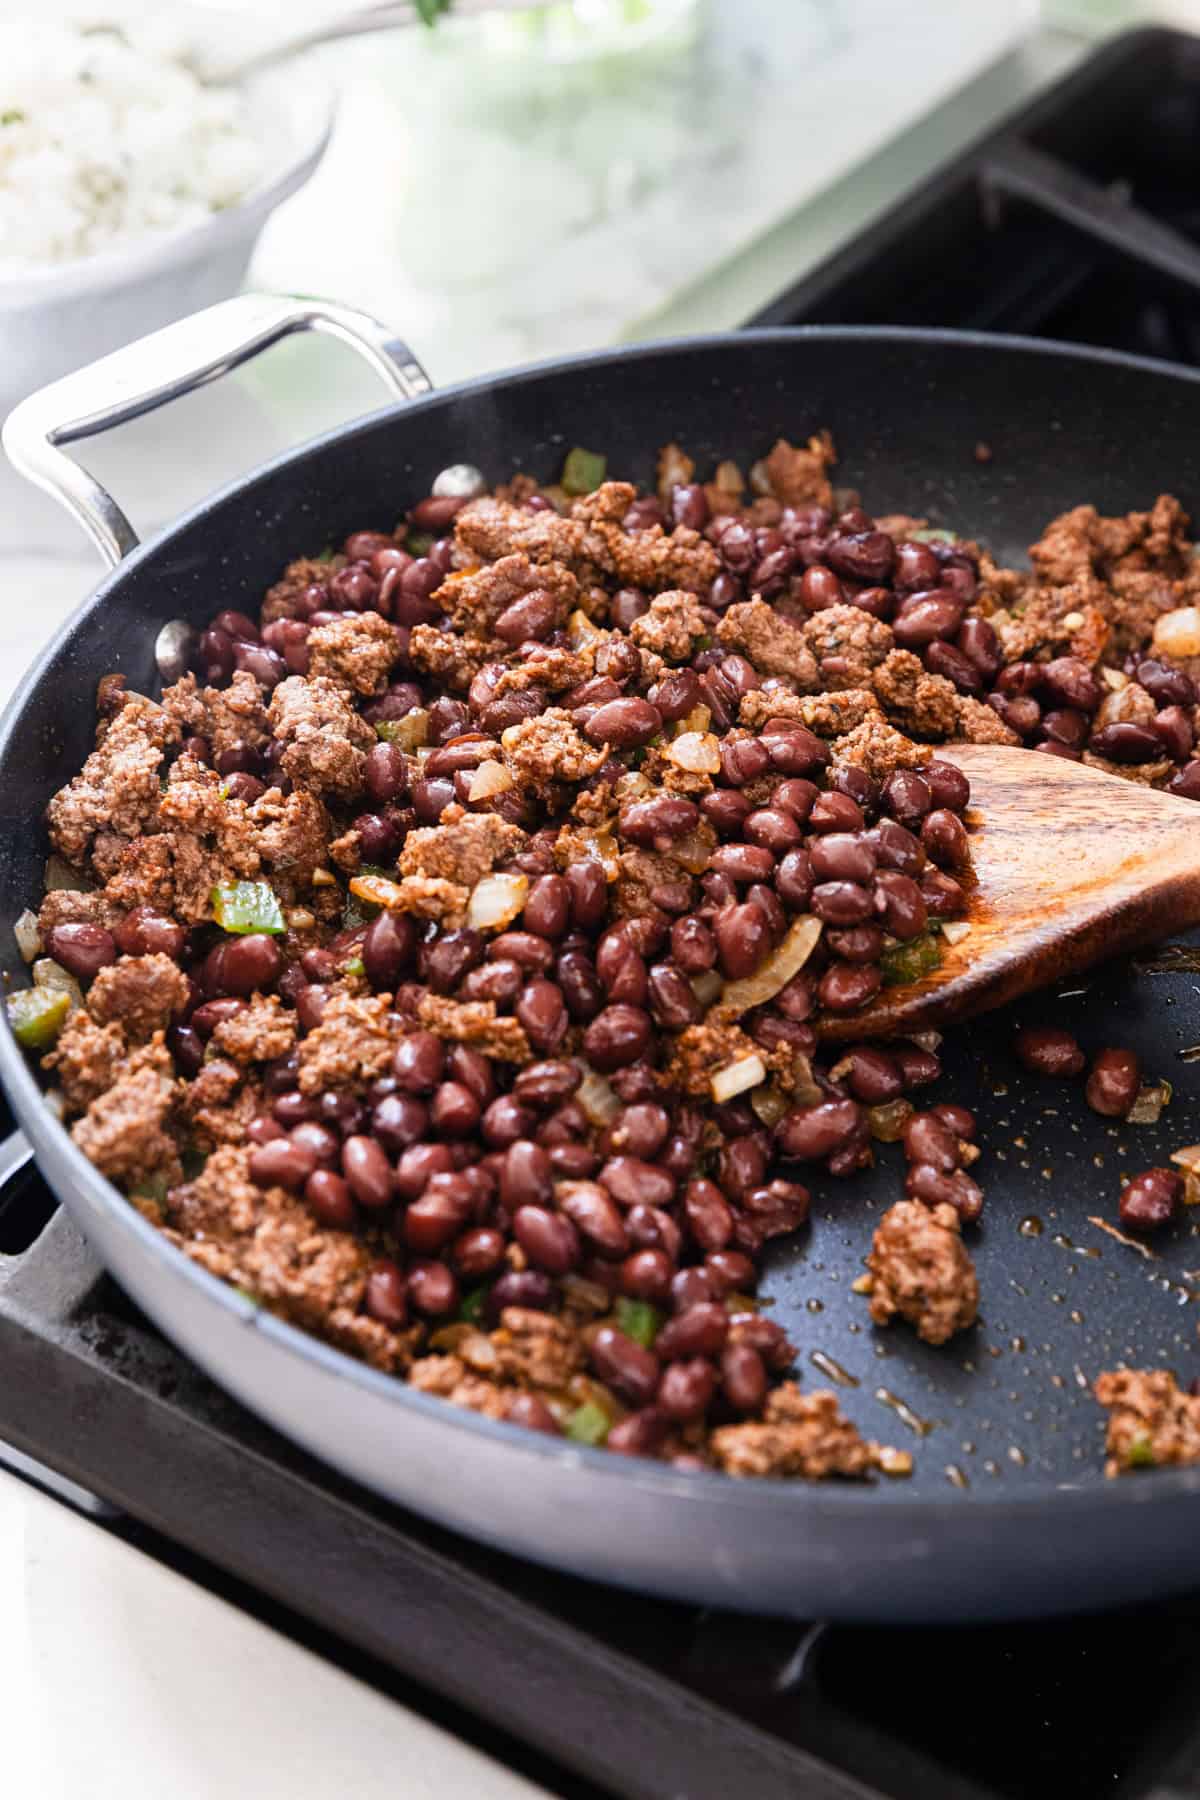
(103, 142)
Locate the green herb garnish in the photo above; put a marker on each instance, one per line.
(912, 961)
(245, 906)
(37, 1015)
(638, 1320)
(588, 1424)
(356, 966)
(583, 471)
(12, 115)
(429, 11)
(419, 543)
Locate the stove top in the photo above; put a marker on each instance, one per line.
(1077, 219)
(1080, 218)
(587, 1690)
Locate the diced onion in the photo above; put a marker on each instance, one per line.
(1114, 680)
(49, 974)
(736, 1077)
(894, 1462)
(769, 1105)
(1178, 633)
(696, 751)
(323, 878)
(1188, 1158)
(29, 938)
(585, 1296)
(693, 851)
(699, 719)
(496, 900)
(886, 1122)
(488, 779)
(300, 919)
(60, 877)
(956, 931)
(599, 1101)
(377, 890)
(412, 731)
(755, 990)
(926, 1040)
(581, 632)
(1148, 1106)
(706, 987)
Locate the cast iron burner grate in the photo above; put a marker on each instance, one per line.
(1078, 219)
(591, 1691)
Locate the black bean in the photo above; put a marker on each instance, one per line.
(368, 1171)
(794, 880)
(432, 1289)
(844, 987)
(1150, 1200)
(874, 1076)
(655, 824)
(900, 903)
(835, 813)
(625, 724)
(418, 1164)
(1173, 726)
(905, 795)
(928, 1139)
(417, 1062)
(841, 903)
(385, 772)
(144, 932)
(1069, 681)
(385, 1297)
(633, 1182)
(1125, 742)
(743, 939)
(937, 1187)
(812, 1132)
(250, 962)
(82, 948)
(477, 1252)
(542, 1013)
(672, 1003)
(388, 948)
(526, 1177)
(281, 1163)
(855, 943)
(743, 1377)
(1049, 1050)
(945, 839)
(841, 856)
(399, 1120)
(646, 1275)
(1113, 1083)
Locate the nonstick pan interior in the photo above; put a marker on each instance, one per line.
(1003, 1410)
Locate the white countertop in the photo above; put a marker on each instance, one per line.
(118, 1675)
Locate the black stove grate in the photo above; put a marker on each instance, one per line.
(611, 1693)
(1079, 219)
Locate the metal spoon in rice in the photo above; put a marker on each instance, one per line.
(209, 67)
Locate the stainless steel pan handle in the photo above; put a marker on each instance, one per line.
(155, 369)
(147, 374)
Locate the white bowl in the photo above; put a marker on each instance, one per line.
(57, 318)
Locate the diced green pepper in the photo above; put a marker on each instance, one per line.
(588, 1424)
(934, 534)
(1141, 1452)
(37, 1015)
(356, 966)
(583, 471)
(388, 731)
(638, 1320)
(912, 961)
(418, 543)
(471, 1310)
(245, 906)
(325, 555)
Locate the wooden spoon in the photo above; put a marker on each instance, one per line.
(1070, 866)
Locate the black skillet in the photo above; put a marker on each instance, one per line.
(1007, 1512)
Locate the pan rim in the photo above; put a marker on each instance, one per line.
(816, 1500)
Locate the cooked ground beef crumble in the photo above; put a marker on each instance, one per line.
(440, 961)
